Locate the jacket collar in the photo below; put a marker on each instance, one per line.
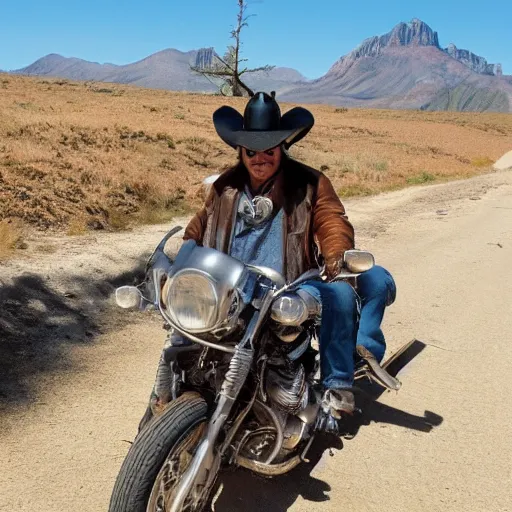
(278, 190)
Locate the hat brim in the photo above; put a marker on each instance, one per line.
(229, 124)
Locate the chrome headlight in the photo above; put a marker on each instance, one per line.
(192, 301)
(289, 309)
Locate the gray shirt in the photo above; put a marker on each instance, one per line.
(258, 243)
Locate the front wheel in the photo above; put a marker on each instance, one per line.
(158, 458)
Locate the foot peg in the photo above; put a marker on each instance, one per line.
(339, 425)
(375, 370)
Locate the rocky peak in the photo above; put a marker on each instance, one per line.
(414, 33)
(205, 58)
(473, 61)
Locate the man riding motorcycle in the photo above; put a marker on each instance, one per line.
(273, 211)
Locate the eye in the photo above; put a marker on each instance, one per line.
(250, 153)
(269, 152)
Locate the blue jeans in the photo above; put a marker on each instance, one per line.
(348, 319)
(377, 290)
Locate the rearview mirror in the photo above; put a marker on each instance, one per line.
(358, 261)
(128, 297)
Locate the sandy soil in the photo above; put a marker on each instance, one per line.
(78, 372)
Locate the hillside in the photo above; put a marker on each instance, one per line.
(76, 156)
(467, 97)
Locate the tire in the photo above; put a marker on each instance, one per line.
(150, 449)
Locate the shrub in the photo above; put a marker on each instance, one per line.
(424, 177)
(380, 166)
(481, 161)
(355, 189)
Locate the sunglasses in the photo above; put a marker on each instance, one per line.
(250, 153)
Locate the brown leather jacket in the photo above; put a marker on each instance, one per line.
(315, 224)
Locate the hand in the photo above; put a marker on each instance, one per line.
(333, 267)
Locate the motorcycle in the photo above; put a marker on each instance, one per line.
(245, 384)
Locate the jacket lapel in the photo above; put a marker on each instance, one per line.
(295, 198)
(226, 218)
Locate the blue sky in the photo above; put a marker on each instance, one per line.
(303, 34)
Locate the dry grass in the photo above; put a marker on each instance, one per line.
(82, 155)
(10, 238)
(77, 226)
(46, 248)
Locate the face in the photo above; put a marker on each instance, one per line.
(262, 165)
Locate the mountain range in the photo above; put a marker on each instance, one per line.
(167, 69)
(405, 68)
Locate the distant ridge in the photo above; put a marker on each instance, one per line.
(404, 68)
(167, 69)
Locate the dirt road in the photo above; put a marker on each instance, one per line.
(441, 444)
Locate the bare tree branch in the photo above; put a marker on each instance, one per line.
(227, 68)
(255, 70)
(225, 63)
(212, 72)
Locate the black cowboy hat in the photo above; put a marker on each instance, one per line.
(262, 127)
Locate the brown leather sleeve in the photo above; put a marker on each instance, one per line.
(332, 229)
(197, 226)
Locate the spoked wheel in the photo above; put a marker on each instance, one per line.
(159, 456)
(164, 489)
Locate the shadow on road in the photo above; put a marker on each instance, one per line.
(248, 492)
(38, 324)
